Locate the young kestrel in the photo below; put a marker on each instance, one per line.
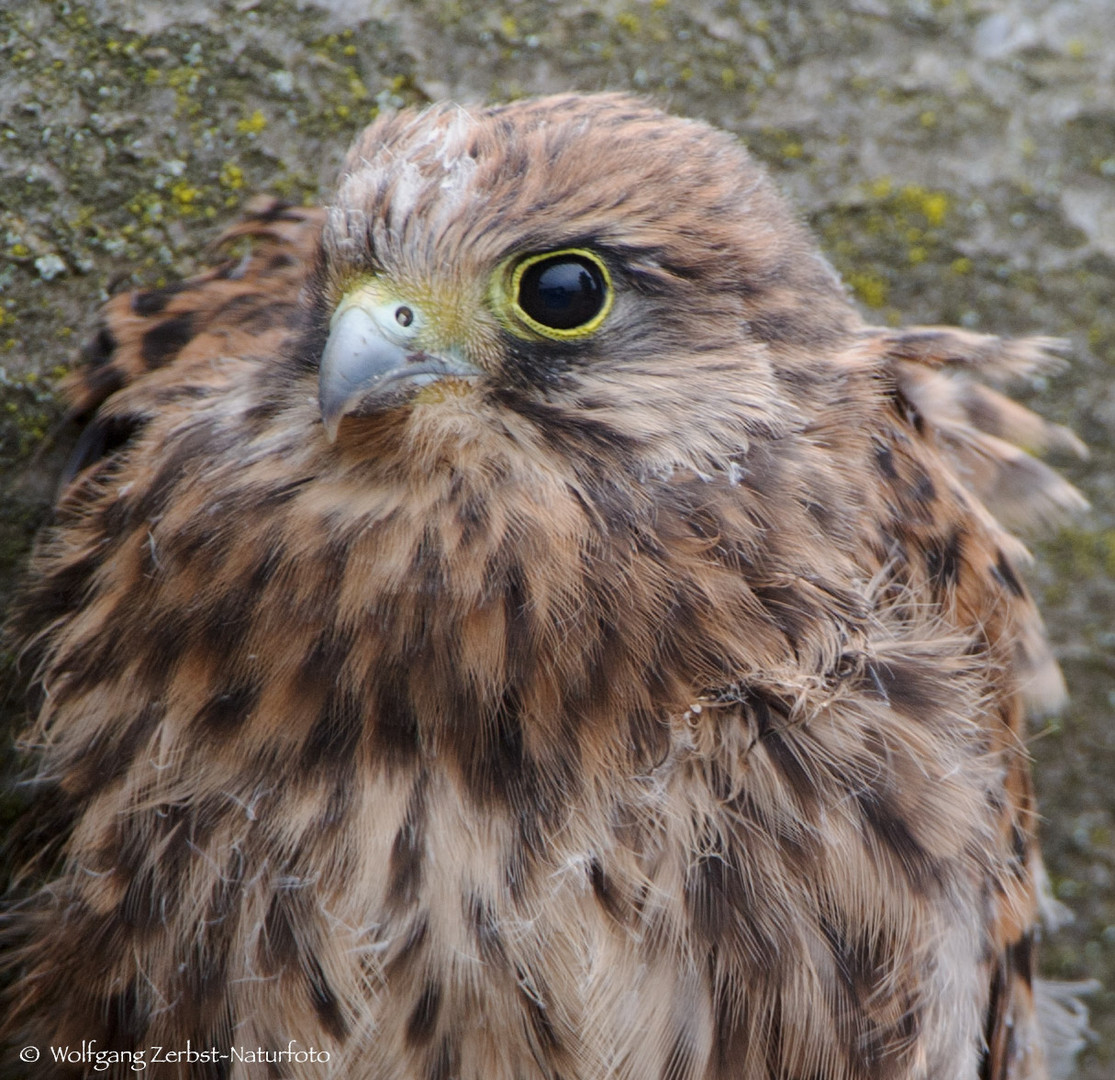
(520, 622)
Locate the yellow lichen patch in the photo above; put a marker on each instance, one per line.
(910, 211)
(356, 87)
(146, 206)
(870, 288)
(880, 187)
(231, 176)
(932, 205)
(184, 194)
(252, 125)
(184, 78)
(83, 217)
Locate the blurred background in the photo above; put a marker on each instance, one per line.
(956, 159)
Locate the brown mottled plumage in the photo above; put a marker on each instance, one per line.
(638, 700)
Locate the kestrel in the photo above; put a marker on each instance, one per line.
(521, 622)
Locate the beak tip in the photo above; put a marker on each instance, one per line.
(332, 412)
(355, 360)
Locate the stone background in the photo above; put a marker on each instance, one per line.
(956, 157)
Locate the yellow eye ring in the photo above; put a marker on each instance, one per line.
(563, 295)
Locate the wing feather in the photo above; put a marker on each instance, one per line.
(245, 304)
(988, 442)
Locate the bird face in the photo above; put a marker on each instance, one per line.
(384, 349)
(594, 259)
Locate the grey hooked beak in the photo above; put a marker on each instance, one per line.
(363, 372)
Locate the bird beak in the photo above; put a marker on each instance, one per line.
(363, 371)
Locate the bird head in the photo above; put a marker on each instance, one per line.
(585, 264)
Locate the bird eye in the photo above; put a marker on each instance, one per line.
(563, 294)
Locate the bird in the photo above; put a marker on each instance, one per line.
(519, 621)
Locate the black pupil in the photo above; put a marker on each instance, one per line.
(562, 292)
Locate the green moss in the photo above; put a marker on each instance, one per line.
(28, 411)
(1078, 554)
(279, 121)
(29, 414)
